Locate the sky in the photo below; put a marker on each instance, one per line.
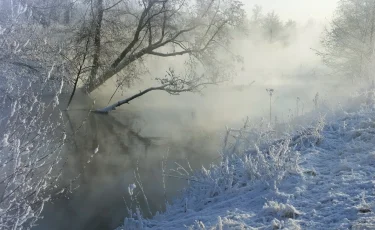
(298, 10)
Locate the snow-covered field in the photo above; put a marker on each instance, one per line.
(321, 177)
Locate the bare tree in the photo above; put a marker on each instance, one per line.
(257, 16)
(349, 41)
(124, 33)
(257, 13)
(97, 27)
(272, 26)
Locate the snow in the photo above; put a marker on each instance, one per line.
(96, 150)
(5, 142)
(322, 177)
(131, 189)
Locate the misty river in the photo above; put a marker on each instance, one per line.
(132, 139)
(135, 140)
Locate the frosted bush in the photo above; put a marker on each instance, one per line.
(288, 224)
(31, 124)
(273, 208)
(269, 161)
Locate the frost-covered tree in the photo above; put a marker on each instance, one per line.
(272, 26)
(99, 40)
(349, 40)
(257, 16)
(116, 37)
(31, 125)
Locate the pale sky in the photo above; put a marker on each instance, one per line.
(298, 10)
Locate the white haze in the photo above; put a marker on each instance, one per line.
(285, 69)
(299, 10)
(269, 65)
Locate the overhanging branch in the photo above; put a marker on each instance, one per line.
(127, 100)
(169, 87)
(170, 54)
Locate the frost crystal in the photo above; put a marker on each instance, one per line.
(5, 142)
(131, 189)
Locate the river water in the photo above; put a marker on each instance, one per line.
(135, 139)
(133, 142)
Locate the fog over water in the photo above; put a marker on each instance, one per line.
(185, 129)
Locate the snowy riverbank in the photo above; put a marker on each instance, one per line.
(321, 177)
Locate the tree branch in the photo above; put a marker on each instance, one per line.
(140, 26)
(170, 54)
(115, 4)
(79, 72)
(127, 100)
(155, 15)
(97, 40)
(174, 87)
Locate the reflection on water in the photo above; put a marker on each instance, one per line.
(138, 137)
(128, 142)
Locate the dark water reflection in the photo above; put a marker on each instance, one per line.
(129, 141)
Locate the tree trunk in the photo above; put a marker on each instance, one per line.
(97, 25)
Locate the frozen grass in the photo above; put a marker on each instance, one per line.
(321, 177)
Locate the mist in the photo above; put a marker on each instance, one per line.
(188, 128)
(144, 141)
(293, 70)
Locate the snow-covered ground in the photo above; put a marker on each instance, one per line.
(321, 177)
